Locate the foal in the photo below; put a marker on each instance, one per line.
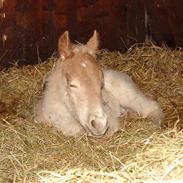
(80, 97)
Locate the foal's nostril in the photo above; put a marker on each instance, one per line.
(97, 125)
(93, 124)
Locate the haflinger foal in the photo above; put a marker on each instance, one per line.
(80, 97)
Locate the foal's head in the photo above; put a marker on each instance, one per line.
(83, 80)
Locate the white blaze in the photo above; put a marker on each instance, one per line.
(83, 65)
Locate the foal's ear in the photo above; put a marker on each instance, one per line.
(93, 42)
(64, 45)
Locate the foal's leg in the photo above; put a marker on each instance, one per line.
(113, 111)
(38, 113)
(69, 128)
(66, 124)
(129, 96)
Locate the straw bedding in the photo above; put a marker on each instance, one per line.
(138, 153)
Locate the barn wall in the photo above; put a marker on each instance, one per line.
(29, 29)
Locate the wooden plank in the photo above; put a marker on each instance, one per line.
(121, 23)
(165, 21)
(135, 22)
(175, 19)
(7, 31)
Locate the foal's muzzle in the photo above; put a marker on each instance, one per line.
(97, 126)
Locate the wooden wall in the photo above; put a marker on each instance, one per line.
(29, 29)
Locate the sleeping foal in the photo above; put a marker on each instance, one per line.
(81, 97)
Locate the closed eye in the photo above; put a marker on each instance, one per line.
(72, 85)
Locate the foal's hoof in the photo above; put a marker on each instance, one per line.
(157, 117)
